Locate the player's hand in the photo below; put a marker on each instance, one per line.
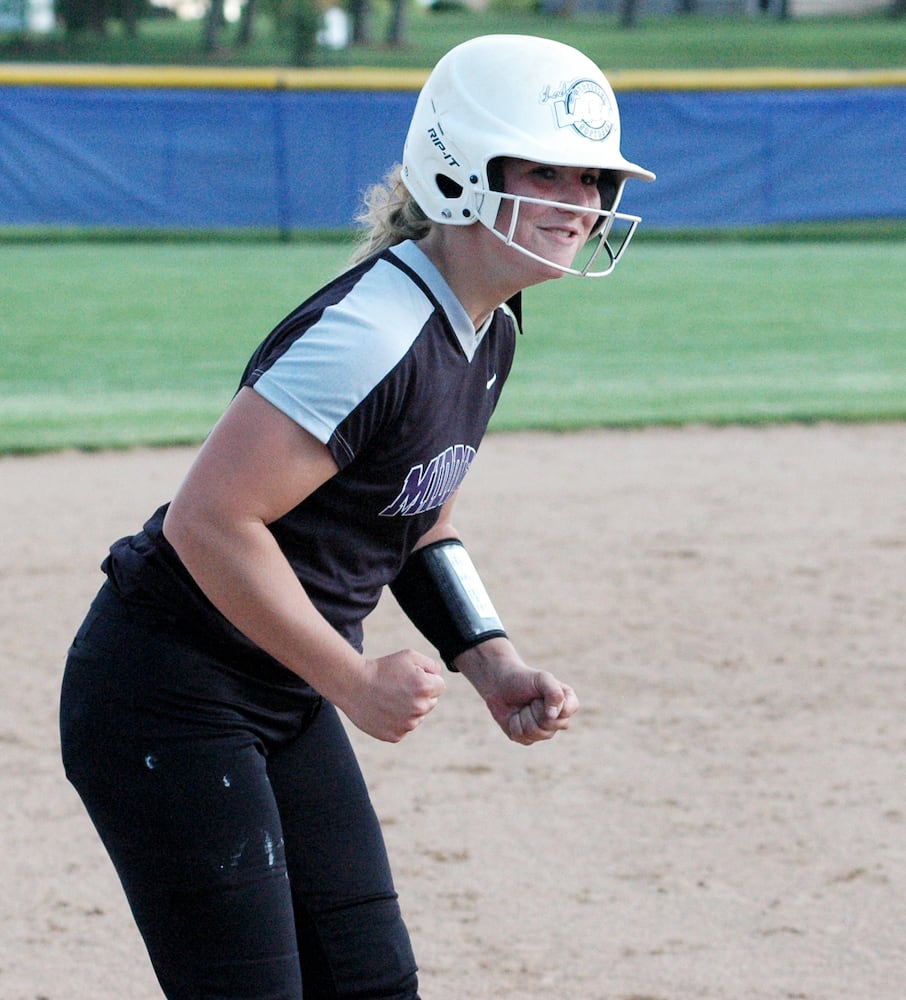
(394, 694)
(529, 705)
(532, 706)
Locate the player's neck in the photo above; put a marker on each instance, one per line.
(469, 259)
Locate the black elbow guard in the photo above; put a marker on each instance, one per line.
(441, 592)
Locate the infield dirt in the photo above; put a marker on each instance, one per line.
(726, 818)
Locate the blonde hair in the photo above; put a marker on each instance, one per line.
(391, 215)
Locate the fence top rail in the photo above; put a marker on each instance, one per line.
(367, 78)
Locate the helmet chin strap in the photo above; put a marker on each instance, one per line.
(600, 235)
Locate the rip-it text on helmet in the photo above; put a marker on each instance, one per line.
(434, 134)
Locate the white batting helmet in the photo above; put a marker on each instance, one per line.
(523, 97)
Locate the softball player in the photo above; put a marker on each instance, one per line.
(199, 704)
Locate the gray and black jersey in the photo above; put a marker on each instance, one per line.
(385, 368)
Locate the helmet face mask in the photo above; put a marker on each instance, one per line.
(586, 264)
(611, 226)
(517, 97)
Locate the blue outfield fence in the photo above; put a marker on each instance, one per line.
(192, 158)
(764, 157)
(272, 156)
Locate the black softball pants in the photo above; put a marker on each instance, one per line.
(234, 811)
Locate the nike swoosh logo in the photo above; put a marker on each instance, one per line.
(492, 380)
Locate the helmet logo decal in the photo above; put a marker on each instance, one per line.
(584, 105)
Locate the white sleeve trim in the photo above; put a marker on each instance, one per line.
(336, 363)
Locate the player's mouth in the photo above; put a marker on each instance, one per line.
(561, 232)
(567, 236)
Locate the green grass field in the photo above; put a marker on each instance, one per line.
(110, 344)
(118, 344)
(692, 42)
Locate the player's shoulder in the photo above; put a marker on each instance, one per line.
(378, 310)
(371, 305)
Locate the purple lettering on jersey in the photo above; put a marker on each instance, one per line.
(427, 488)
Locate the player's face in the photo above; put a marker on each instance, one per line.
(554, 233)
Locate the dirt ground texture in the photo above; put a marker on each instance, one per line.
(726, 818)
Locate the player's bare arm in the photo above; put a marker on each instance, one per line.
(256, 465)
